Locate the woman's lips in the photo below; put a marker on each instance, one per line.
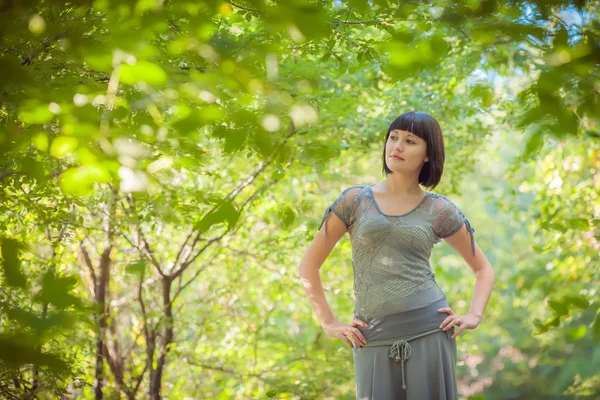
(398, 158)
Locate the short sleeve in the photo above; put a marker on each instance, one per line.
(344, 206)
(449, 219)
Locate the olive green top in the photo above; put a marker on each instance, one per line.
(390, 253)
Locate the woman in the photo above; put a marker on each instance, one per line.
(403, 331)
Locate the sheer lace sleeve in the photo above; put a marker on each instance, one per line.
(345, 207)
(449, 219)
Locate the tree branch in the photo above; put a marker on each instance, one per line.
(242, 7)
(140, 237)
(143, 308)
(138, 380)
(5, 174)
(27, 60)
(231, 196)
(90, 266)
(183, 246)
(148, 256)
(188, 262)
(375, 21)
(193, 278)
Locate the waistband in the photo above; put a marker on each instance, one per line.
(400, 349)
(396, 330)
(405, 323)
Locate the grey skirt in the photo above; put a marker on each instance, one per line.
(407, 357)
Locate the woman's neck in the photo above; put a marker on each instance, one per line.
(400, 185)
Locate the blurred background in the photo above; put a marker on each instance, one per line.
(165, 163)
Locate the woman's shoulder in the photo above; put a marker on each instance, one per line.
(354, 191)
(351, 195)
(440, 198)
(443, 203)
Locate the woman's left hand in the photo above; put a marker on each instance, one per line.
(467, 321)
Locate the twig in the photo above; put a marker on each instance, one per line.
(27, 60)
(5, 174)
(228, 371)
(242, 7)
(148, 256)
(90, 266)
(185, 285)
(376, 21)
(189, 261)
(183, 246)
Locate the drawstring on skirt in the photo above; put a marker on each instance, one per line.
(400, 350)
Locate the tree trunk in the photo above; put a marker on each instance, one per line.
(166, 340)
(98, 379)
(102, 303)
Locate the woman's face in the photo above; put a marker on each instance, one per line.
(405, 152)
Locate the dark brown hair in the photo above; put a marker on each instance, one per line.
(427, 128)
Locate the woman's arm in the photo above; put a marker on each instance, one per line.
(309, 267)
(311, 263)
(484, 283)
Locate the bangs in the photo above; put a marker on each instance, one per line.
(419, 123)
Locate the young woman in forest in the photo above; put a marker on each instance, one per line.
(403, 329)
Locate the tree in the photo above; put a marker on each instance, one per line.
(153, 142)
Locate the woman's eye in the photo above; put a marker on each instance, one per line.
(410, 141)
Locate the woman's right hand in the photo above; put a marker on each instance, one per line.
(343, 331)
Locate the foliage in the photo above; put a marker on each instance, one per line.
(164, 163)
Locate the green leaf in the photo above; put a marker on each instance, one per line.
(234, 139)
(578, 224)
(559, 308)
(541, 249)
(34, 113)
(484, 94)
(145, 71)
(11, 263)
(211, 113)
(555, 322)
(596, 328)
(528, 117)
(262, 143)
(79, 181)
(287, 216)
(541, 327)
(17, 350)
(534, 144)
(137, 267)
(317, 153)
(326, 57)
(63, 145)
(97, 56)
(225, 213)
(143, 6)
(577, 301)
(43, 326)
(359, 5)
(577, 333)
(557, 227)
(56, 290)
(199, 118)
(40, 140)
(408, 56)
